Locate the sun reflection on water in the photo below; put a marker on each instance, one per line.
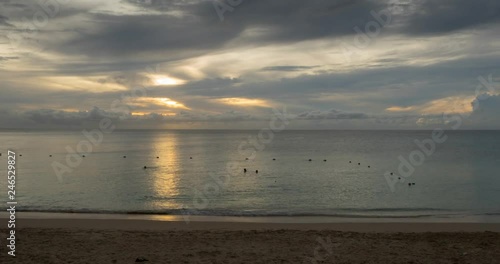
(165, 178)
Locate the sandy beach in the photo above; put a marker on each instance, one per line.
(125, 241)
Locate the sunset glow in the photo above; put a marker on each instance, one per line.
(244, 102)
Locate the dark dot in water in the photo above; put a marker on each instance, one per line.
(257, 171)
(310, 159)
(392, 173)
(245, 170)
(124, 157)
(274, 159)
(246, 159)
(359, 163)
(190, 157)
(20, 155)
(369, 166)
(350, 161)
(50, 155)
(157, 157)
(83, 156)
(145, 167)
(409, 184)
(324, 160)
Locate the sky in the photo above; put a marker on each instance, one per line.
(234, 64)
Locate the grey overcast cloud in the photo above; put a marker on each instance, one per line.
(198, 64)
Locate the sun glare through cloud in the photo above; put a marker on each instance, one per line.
(166, 81)
(244, 102)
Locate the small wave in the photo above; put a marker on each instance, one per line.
(399, 209)
(236, 213)
(493, 213)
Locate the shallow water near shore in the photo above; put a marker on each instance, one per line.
(187, 173)
(190, 219)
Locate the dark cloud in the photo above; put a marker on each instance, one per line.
(164, 5)
(8, 58)
(56, 117)
(199, 28)
(68, 118)
(331, 114)
(18, 5)
(3, 21)
(81, 118)
(34, 13)
(125, 34)
(297, 20)
(442, 17)
(486, 110)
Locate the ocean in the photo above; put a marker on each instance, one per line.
(300, 173)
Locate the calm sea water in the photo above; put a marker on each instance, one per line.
(191, 175)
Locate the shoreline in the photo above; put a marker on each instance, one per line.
(450, 218)
(163, 222)
(151, 225)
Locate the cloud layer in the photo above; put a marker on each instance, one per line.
(393, 64)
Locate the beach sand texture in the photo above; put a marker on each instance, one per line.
(114, 241)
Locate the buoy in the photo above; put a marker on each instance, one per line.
(350, 161)
(409, 184)
(83, 156)
(245, 170)
(359, 163)
(124, 157)
(310, 159)
(256, 171)
(324, 160)
(145, 167)
(190, 157)
(20, 155)
(369, 166)
(50, 155)
(246, 158)
(274, 159)
(392, 173)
